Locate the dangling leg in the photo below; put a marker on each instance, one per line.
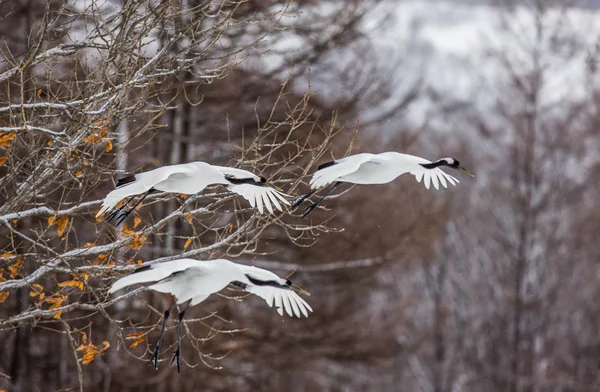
(302, 198)
(312, 206)
(162, 330)
(177, 354)
(125, 214)
(117, 210)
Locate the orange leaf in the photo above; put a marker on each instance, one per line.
(183, 196)
(37, 290)
(5, 138)
(108, 146)
(15, 268)
(187, 243)
(189, 217)
(76, 281)
(3, 160)
(89, 245)
(3, 296)
(78, 174)
(139, 338)
(57, 314)
(50, 143)
(39, 92)
(139, 262)
(136, 221)
(61, 223)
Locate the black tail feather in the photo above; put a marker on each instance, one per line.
(125, 180)
(326, 164)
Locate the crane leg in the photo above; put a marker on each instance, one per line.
(162, 330)
(302, 198)
(315, 204)
(123, 215)
(117, 210)
(177, 353)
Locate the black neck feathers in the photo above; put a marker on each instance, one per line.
(435, 164)
(271, 283)
(238, 181)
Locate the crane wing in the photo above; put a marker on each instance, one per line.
(155, 272)
(282, 298)
(331, 172)
(434, 176)
(260, 195)
(141, 182)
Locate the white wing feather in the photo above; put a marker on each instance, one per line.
(434, 176)
(342, 167)
(156, 272)
(260, 196)
(143, 182)
(283, 299)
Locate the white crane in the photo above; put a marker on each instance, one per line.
(195, 280)
(189, 178)
(381, 168)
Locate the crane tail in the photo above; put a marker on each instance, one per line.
(141, 275)
(125, 187)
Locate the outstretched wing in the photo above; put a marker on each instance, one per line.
(333, 171)
(260, 195)
(155, 272)
(282, 298)
(429, 176)
(140, 183)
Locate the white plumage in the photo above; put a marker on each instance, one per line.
(381, 168)
(190, 178)
(195, 280)
(366, 168)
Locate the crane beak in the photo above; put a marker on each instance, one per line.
(300, 290)
(462, 169)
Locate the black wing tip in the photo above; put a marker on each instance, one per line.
(142, 269)
(125, 181)
(326, 164)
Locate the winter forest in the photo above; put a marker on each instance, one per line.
(490, 285)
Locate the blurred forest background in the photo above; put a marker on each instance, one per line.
(488, 286)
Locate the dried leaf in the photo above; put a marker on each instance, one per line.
(136, 221)
(189, 218)
(139, 338)
(61, 223)
(38, 290)
(39, 92)
(89, 245)
(5, 138)
(79, 173)
(138, 240)
(3, 160)
(56, 301)
(187, 243)
(3, 297)
(183, 196)
(139, 262)
(15, 268)
(50, 143)
(76, 281)
(108, 146)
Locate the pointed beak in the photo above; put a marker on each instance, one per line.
(462, 169)
(300, 290)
